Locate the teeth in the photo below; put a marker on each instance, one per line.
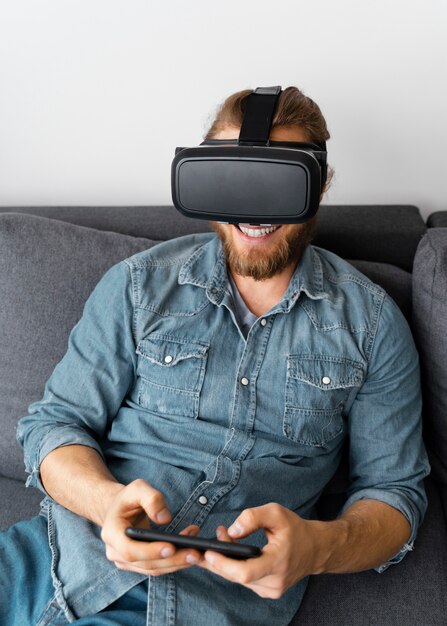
(258, 232)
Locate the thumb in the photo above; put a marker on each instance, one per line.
(265, 516)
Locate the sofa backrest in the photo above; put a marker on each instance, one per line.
(377, 233)
(429, 325)
(48, 267)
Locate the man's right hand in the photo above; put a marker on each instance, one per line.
(135, 505)
(76, 477)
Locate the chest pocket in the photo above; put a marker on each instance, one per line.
(170, 374)
(317, 389)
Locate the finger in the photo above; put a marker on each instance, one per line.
(176, 557)
(139, 493)
(135, 551)
(152, 554)
(135, 500)
(190, 555)
(241, 571)
(222, 534)
(192, 530)
(205, 564)
(180, 559)
(269, 516)
(183, 553)
(158, 557)
(150, 572)
(262, 587)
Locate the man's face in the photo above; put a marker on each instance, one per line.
(257, 251)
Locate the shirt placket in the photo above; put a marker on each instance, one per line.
(162, 589)
(244, 405)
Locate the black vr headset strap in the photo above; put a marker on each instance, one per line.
(258, 116)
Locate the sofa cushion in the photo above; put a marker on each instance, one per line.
(430, 330)
(48, 268)
(411, 593)
(21, 503)
(395, 281)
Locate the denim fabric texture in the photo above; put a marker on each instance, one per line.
(160, 380)
(26, 590)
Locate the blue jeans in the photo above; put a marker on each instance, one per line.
(26, 589)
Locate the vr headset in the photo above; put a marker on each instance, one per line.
(251, 179)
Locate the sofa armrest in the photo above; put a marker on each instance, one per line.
(437, 220)
(429, 315)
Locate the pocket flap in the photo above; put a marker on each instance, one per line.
(324, 371)
(168, 351)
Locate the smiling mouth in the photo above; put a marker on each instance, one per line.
(257, 231)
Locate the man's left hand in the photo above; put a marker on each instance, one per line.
(292, 551)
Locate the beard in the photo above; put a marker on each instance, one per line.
(262, 264)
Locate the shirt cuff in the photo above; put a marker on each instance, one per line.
(397, 501)
(57, 438)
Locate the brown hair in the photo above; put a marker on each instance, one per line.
(293, 109)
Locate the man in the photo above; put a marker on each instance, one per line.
(208, 388)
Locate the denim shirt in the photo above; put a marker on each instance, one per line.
(160, 380)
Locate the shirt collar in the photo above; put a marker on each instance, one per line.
(206, 268)
(307, 278)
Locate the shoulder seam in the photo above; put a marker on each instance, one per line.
(133, 295)
(154, 263)
(376, 319)
(347, 275)
(164, 262)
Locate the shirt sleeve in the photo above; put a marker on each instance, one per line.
(387, 457)
(86, 388)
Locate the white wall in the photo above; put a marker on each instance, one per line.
(94, 96)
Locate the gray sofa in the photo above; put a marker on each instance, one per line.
(52, 257)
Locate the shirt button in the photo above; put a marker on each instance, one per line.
(168, 359)
(326, 380)
(263, 321)
(203, 499)
(244, 381)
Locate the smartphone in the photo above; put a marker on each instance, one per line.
(232, 550)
